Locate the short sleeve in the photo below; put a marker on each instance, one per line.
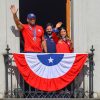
(24, 26)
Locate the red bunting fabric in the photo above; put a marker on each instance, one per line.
(49, 72)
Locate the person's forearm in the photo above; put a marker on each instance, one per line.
(16, 19)
(17, 22)
(44, 46)
(55, 30)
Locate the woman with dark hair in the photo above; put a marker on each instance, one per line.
(64, 45)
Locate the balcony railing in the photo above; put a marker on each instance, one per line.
(16, 87)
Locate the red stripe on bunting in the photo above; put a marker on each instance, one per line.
(53, 84)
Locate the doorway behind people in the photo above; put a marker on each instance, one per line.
(46, 11)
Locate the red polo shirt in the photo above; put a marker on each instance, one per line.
(31, 45)
(63, 47)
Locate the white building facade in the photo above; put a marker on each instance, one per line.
(85, 25)
(86, 32)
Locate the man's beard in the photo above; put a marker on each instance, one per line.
(32, 24)
(49, 32)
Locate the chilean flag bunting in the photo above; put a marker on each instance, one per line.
(49, 72)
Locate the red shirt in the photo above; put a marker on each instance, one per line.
(31, 45)
(63, 47)
(55, 37)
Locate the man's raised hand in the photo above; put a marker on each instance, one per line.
(13, 9)
(58, 24)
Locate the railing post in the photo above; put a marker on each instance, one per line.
(6, 59)
(91, 68)
(7, 49)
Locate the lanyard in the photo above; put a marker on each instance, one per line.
(34, 32)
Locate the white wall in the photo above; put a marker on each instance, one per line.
(86, 30)
(6, 37)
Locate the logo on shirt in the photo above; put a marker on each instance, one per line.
(39, 30)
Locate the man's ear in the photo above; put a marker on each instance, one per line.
(27, 20)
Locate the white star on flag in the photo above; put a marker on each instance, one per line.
(50, 60)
